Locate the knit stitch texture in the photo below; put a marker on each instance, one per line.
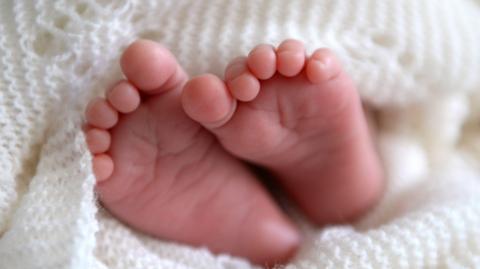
(417, 66)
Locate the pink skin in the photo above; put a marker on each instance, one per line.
(98, 140)
(306, 125)
(164, 174)
(290, 58)
(262, 61)
(243, 85)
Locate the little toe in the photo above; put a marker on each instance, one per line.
(102, 167)
(206, 100)
(262, 61)
(322, 66)
(124, 97)
(101, 114)
(98, 140)
(242, 84)
(290, 58)
(151, 67)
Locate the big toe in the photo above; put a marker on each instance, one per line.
(206, 100)
(149, 65)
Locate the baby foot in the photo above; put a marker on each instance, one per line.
(165, 175)
(299, 117)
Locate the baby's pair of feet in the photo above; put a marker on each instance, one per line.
(167, 151)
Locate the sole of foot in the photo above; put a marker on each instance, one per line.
(164, 174)
(301, 118)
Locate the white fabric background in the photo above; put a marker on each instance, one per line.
(417, 65)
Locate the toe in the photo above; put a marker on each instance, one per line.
(262, 61)
(150, 66)
(101, 114)
(322, 66)
(235, 68)
(206, 100)
(102, 167)
(290, 58)
(244, 87)
(98, 140)
(242, 84)
(124, 97)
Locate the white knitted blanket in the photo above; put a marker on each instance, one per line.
(417, 65)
